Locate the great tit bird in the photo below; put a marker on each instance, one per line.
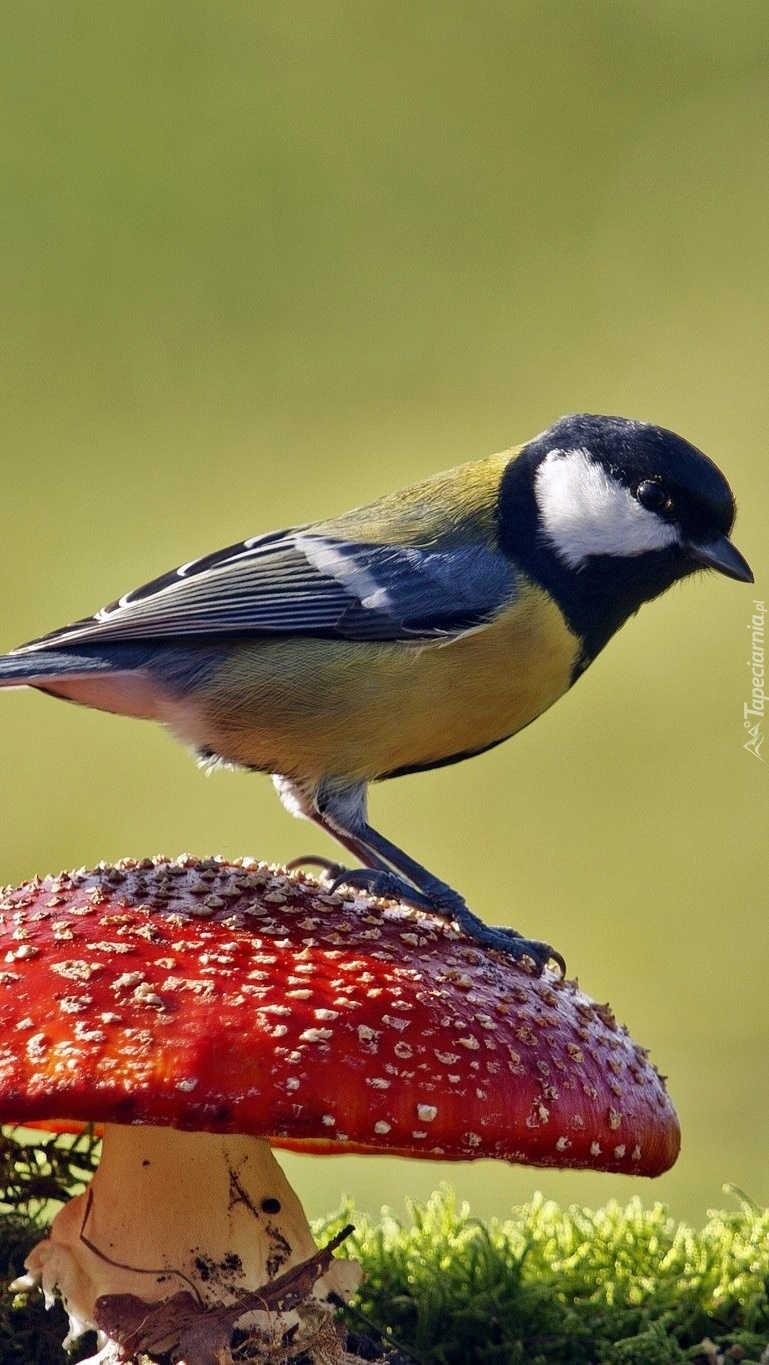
(414, 632)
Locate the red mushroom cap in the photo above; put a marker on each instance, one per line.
(231, 997)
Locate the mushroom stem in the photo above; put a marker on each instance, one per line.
(171, 1211)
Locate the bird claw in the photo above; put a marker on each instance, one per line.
(540, 953)
(328, 868)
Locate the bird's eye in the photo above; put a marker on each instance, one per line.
(652, 496)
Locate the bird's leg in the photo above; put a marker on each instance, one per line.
(337, 873)
(388, 871)
(306, 804)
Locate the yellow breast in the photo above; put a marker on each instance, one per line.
(318, 708)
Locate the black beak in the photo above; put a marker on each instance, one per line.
(720, 554)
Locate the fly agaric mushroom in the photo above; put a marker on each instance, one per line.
(199, 1009)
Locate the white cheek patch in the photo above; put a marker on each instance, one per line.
(584, 511)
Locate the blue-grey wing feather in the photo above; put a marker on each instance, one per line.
(300, 582)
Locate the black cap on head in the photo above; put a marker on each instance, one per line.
(633, 452)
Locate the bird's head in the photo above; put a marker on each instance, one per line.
(618, 510)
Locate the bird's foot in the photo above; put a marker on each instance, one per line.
(506, 940)
(451, 905)
(378, 882)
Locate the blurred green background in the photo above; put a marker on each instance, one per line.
(264, 262)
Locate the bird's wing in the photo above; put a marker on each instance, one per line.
(304, 582)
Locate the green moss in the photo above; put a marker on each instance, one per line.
(613, 1286)
(36, 1176)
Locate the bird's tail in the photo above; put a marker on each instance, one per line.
(46, 666)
